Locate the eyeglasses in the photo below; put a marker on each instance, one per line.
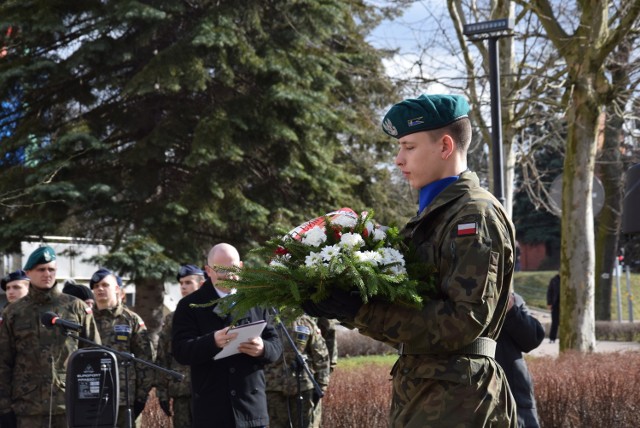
(220, 273)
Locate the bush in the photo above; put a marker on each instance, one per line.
(353, 344)
(594, 390)
(358, 397)
(572, 390)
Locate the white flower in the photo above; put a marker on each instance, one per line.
(313, 259)
(373, 257)
(379, 234)
(393, 259)
(351, 240)
(370, 227)
(344, 220)
(329, 252)
(314, 237)
(278, 261)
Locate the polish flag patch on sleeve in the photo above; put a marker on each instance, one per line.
(467, 229)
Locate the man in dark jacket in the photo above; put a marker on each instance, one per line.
(553, 303)
(520, 333)
(229, 392)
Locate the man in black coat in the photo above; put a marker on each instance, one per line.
(520, 333)
(228, 392)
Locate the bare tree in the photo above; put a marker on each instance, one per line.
(585, 41)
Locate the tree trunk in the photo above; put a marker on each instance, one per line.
(612, 176)
(577, 321)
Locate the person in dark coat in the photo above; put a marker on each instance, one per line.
(520, 333)
(553, 302)
(229, 392)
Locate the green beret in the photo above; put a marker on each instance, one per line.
(40, 256)
(425, 113)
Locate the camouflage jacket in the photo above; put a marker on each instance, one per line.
(166, 386)
(281, 375)
(328, 330)
(33, 358)
(466, 235)
(124, 330)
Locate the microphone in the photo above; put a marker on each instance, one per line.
(51, 318)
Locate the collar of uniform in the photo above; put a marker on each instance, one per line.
(466, 181)
(43, 296)
(115, 311)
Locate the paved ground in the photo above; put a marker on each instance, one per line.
(552, 349)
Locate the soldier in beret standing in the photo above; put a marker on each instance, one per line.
(190, 278)
(33, 358)
(446, 373)
(123, 330)
(16, 285)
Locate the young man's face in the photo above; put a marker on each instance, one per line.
(17, 289)
(420, 158)
(43, 276)
(106, 292)
(190, 283)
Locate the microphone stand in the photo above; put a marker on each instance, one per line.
(299, 364)
(126, 359)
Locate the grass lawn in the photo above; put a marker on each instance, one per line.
(351, 362)
(532, 286)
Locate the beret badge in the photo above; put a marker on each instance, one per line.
(388, 126)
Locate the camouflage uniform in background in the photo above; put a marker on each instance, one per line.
(282, 381)
(33, 358)
(166, 386)
(123, 330)
(442, 377)
(328, 331)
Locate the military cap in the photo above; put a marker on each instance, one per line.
(99, 276)
(13, 276)
(425, 113)
(80, 291)
(40, 256)
(119, 280)
(186, 270)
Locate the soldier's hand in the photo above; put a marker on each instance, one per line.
(164, 405)
(316, 398)
(8, 420)
(341, 305)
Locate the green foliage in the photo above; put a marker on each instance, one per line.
(187, 124)
(337, 251)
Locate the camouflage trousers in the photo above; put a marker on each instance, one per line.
(57, 421)
(317, 415)
(283, 410)
(181, 412)
(425, 397)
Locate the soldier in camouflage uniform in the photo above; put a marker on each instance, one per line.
(123, 330)
(33, 358)
(16, 285)
(328, 331)
(282, 380)
(446, 374)
(190, 278)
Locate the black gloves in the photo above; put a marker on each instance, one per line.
(138, 407)
(8, 420)
(164, 405)
(341, 305)
(315, 398)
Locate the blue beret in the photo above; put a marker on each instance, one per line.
(13, 276)
(40, 256)
(425, 113)
(80, 291)
(99, 275)
(186, 270)
(119, 281)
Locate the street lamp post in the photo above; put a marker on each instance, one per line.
(493, 30)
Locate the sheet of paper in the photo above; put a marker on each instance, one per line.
(245, 332)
